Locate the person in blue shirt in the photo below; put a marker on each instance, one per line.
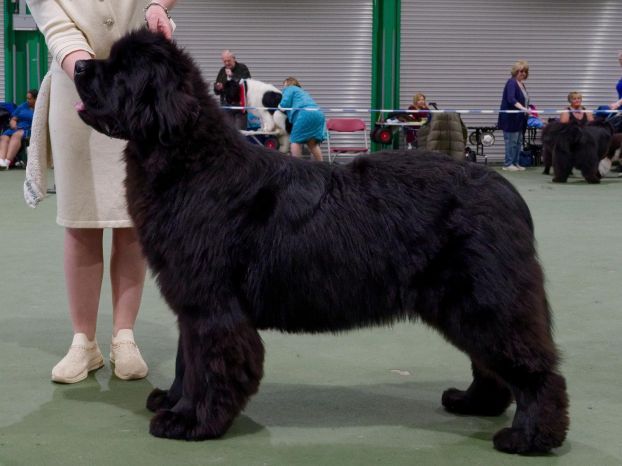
(308, 126)
(618, 103)
(515, 97)
(19, 129)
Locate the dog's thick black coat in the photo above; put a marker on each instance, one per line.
(572, 145)
(241, 239)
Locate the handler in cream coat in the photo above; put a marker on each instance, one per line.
(89, 175)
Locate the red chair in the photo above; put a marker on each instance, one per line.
(343, 130)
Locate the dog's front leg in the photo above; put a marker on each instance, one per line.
(562, 171)
(166, 399)
(280, 123)
(223, 364)
(284, 143)
(267, 121)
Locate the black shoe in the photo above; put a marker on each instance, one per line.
(52, 190)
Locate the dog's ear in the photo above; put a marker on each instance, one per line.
(552, 132)
(176, 113)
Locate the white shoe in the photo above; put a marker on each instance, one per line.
(4, 163)
(520, 168)
(83, 357)
(124, 354)
(604, 166)
(510, 168)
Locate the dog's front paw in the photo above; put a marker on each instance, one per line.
(184, 425)
(170, 424)
(159, 399)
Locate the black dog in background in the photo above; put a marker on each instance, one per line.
(572, 145)
(241, 238)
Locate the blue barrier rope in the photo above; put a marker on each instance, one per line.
(546, 111)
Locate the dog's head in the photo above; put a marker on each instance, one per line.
(231, 92)
(563, 136)
(144, 91)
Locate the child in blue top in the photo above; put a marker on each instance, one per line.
(19, 129)
(308, 126)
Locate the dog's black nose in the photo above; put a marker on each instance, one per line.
(80, 67)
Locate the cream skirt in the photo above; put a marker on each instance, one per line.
(88, 168)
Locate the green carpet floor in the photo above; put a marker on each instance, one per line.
(369, 397)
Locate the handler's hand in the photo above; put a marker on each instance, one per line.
(157, 21)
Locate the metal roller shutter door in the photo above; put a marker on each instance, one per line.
(459, 53)
(325, 44)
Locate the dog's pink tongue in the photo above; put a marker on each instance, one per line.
(79, 106)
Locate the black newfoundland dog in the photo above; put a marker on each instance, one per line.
(572, 145)
(242, 238)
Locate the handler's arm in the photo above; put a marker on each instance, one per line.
(287, 99)
(158, 18)
(66, 42)
(511, 89)
(616, 105)
(564, 117)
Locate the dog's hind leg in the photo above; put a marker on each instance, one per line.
(541, 418)
(561, 174)
(486, 396)
(166, 399)
(527, 365)
(547, 159)
(511, 341)
(223, 364)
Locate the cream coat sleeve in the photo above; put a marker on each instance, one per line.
(61, 33)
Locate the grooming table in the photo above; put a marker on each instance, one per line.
(395, 124)
(267, 139)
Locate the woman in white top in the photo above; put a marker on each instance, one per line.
(89, 175)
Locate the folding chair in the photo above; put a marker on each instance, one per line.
(345, 127)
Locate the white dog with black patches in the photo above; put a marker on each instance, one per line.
(262, 99)
(614, 153)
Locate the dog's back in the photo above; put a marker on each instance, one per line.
(262, 94)
(425, 207)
